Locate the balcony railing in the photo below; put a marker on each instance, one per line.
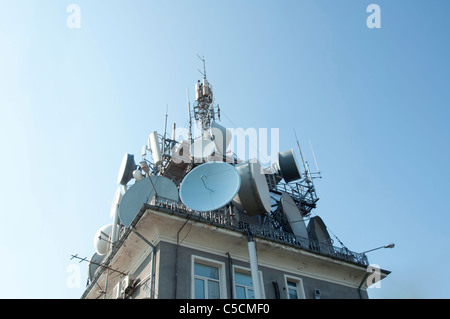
(226, 218)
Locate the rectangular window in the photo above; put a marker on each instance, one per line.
(294, 287)
(206, 282)
(208, 279)
(292, 290)
(243, 284)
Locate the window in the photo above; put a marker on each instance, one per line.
(243, 284)
(208, 281)
(292, 290)
(294, 287)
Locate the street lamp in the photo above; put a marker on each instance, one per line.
(392, 245)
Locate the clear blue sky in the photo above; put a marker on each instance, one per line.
(374, 103)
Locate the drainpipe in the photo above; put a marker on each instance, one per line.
(253, 264)
(362, 282)
(230, 275)
(176, 256)
(152, 274)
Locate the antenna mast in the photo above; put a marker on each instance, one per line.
(190, 117)
(204, 105)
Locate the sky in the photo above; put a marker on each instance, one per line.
(74, 98)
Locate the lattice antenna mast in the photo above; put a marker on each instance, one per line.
(204, 101)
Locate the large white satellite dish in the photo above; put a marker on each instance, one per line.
(293, 215)
(102, 239)
(142, 192)
(210, 186)
(202, 148)
(288, 166)
(254, 195)
(126, 169)
(222, 137)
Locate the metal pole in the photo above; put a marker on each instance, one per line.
(254, 265)
(385, 246)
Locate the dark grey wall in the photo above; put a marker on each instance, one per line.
(178, 283)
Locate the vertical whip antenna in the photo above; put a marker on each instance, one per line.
(190, 117)
(300, 150)
(315, 160)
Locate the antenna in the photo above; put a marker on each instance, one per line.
(204, 66)
(165, 132)
(210, 186)
(142, 192)
(315, 160)
(300, 150)
(253, 195)
(190, 117)
(293, 216)
(95, 262)
(126, 169)
(204, 107)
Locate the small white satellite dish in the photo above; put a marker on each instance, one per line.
(210, 186)
(293, 215)
(222, 137)
(116, 201)
(202, 148)
(254, 195)
(142, 192)
(287, 162)
(137, 174)
(102, 239)
(93, 265)
(126, 169)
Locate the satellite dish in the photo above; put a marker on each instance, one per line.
(222, 137)
(93, 265)
(210, 186)
(318, 231)
(202, 148)
(142, 192)
(253, 196)
(126, 169)
(137, 174)
(102, 239)
(288, 166)
(116, 201)
(293, 215)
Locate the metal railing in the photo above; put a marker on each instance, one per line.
(226, 218)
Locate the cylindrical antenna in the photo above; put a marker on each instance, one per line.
(174, 131)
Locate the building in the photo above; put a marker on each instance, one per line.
(249, 247)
